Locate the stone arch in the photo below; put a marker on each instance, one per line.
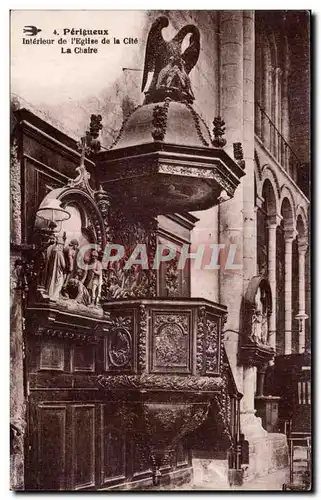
(258, 169)
(270, 199)
(286, 194)
(288, 216)
(269, 174)
(300, 228)
(301, 221)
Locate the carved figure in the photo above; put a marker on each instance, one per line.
(174, 76)
(70, 254)
(259, 319)
(55, 268)
(93, 278)
(76, 289)
(120, 349)
(161, 53)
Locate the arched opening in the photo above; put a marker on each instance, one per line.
(264, 215)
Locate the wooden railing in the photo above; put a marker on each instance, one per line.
(274, 141)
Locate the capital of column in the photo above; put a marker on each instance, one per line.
(273, 220)
(302, 245)
(259, 201)
(289, 234)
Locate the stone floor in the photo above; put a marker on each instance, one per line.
(271, 482)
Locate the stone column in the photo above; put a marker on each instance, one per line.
(272, 224)
(230, 212)
(288, 237)
(302, 248)
(249, 214)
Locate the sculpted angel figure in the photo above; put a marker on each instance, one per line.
(170, 66)
(94, 277)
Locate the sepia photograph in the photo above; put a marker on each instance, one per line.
(160, 283)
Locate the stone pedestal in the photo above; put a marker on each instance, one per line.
(268, 453)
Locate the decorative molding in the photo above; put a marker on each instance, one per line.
(120, 343)
(221, 403)
(238, 154)
(162, 382)
(114, 144)
(15, 193)
(212, 347)
(197, 119)
(171, 278)
(142, 337)
(201, 318)
(218, 131)
(159, 121)
(64, 335)
(225, 180)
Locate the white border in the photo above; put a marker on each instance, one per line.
(4, 195)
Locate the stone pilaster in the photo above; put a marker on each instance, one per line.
(249, 214)
(230, 212)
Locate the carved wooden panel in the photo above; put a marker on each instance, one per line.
(120, 344)
(173, 281)
(212, 345)
(182, 458)
(51, 464)
(52, 356)
(113, 445)
(141, 460)
(83, 446)
(170, 342)
(83, 358)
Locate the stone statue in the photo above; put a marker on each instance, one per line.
(259, 332)
(55, 269)
(93, 278)
(174, 76)
(161, 54)
(70, 254)
(76, 289)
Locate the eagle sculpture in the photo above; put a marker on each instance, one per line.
(170, 66)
